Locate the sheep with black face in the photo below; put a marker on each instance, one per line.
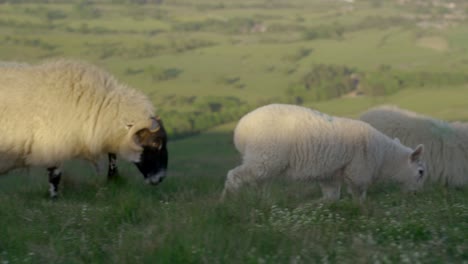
(60, 110)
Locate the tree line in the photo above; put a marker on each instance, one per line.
(325, 82)
(321, 82)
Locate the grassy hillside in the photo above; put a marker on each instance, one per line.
(182, 221)
(206, 62)
(444, 103)
(251, 51)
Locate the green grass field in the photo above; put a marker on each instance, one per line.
(182, 220)
(251, 50)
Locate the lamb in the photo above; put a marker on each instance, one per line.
(304, 144)
(66, 109)
(446, 143)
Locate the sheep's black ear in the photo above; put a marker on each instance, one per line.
(417, 153)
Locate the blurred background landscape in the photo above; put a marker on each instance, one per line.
(205, 63)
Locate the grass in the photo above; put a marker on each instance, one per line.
(446, 103)
(182, 220)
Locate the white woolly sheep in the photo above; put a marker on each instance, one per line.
(446, 143)
(303, 144)
(64, 109)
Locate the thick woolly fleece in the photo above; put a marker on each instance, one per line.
(300, 143)
(446, 143)
(65, 109)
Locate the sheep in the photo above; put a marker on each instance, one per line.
(446, 143)
(303, 144)
(66, 109)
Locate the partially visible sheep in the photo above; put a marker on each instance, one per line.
(446, 143)
(60, 110)
(299, 143)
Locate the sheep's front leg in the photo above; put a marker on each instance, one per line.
(358, 193)
(54, 179)
(233, 181)
(112, 171)
(239, 176)
(331, 190)
(358, 177)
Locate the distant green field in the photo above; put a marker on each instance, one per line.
(193, 58)
(439, 102)
(120, 37)
(254, 51)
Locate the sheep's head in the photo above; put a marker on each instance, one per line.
(148, 149)
(414, 172)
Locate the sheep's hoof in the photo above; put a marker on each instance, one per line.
(112, 174)
(52, 197)
(222, 198)
(53, 194)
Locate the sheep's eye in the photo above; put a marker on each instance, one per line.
(421, 174)
(157, 143)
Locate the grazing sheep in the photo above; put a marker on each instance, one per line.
(304, 144)
(446, 143)
(60, 110)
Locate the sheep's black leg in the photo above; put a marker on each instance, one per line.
(112, 171)
(54, 179)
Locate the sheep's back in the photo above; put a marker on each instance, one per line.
(305, 137)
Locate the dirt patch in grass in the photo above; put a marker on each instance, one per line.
(435, 43)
